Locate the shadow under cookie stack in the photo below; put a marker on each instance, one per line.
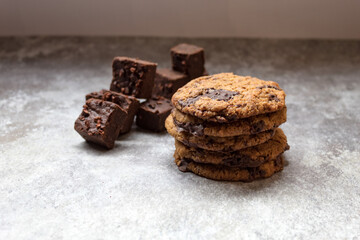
(226, 127)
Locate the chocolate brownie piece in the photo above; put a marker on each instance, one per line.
(96, 95)
(167, 81)
(99, 122)
(188, 59)
(133, 77)
(128, 103)
(152, 114)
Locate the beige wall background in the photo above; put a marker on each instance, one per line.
(334, 19)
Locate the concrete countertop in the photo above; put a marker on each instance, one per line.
(53, 185)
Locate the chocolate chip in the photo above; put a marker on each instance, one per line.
(87, 124)
(268, 86)
(121, 73)
(253, 172)
(257, 127)
(195, 129)
(278, 161)
(183, 164)
(215, 94)
(273, 97)
(240, 161)
(262, 173)
(151, 105)
(85, 112)
(193, 145)
(231, 117)
(241, 105)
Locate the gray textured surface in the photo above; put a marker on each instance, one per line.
(53, 185)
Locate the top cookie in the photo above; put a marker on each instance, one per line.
(226, 97)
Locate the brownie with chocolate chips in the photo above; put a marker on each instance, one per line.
(96, 95)
(167, 81)
(152, 114)
(188, 59)
(128, 103)
(133, 77)
(100, 122)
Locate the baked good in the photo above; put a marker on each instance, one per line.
(100, 122)
(128, 103)
(247, 157)
(168, 81)
(224, 173)
(243, 126)
(188, 59)
(224, 144)
(133, 77)
(152, 114)
(226, 97)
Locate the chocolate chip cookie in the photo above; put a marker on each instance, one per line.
(225, 173)
(223, 144)
(226, 97)
(244, 126)
(247, 157)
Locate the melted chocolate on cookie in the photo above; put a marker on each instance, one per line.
(241, 161)
(183, 164)
(195, 129)
(215, 94)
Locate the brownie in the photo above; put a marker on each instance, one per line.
(188, 59)
(152, 114)
(133, 77)
(96, 95)
(99, 122)
(128, 103)
(167, 81)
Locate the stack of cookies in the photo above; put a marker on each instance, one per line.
(226, 127)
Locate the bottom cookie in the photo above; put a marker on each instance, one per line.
(224, 173)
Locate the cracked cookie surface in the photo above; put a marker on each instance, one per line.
(247, 157)
(226, 97)
(216, 143)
